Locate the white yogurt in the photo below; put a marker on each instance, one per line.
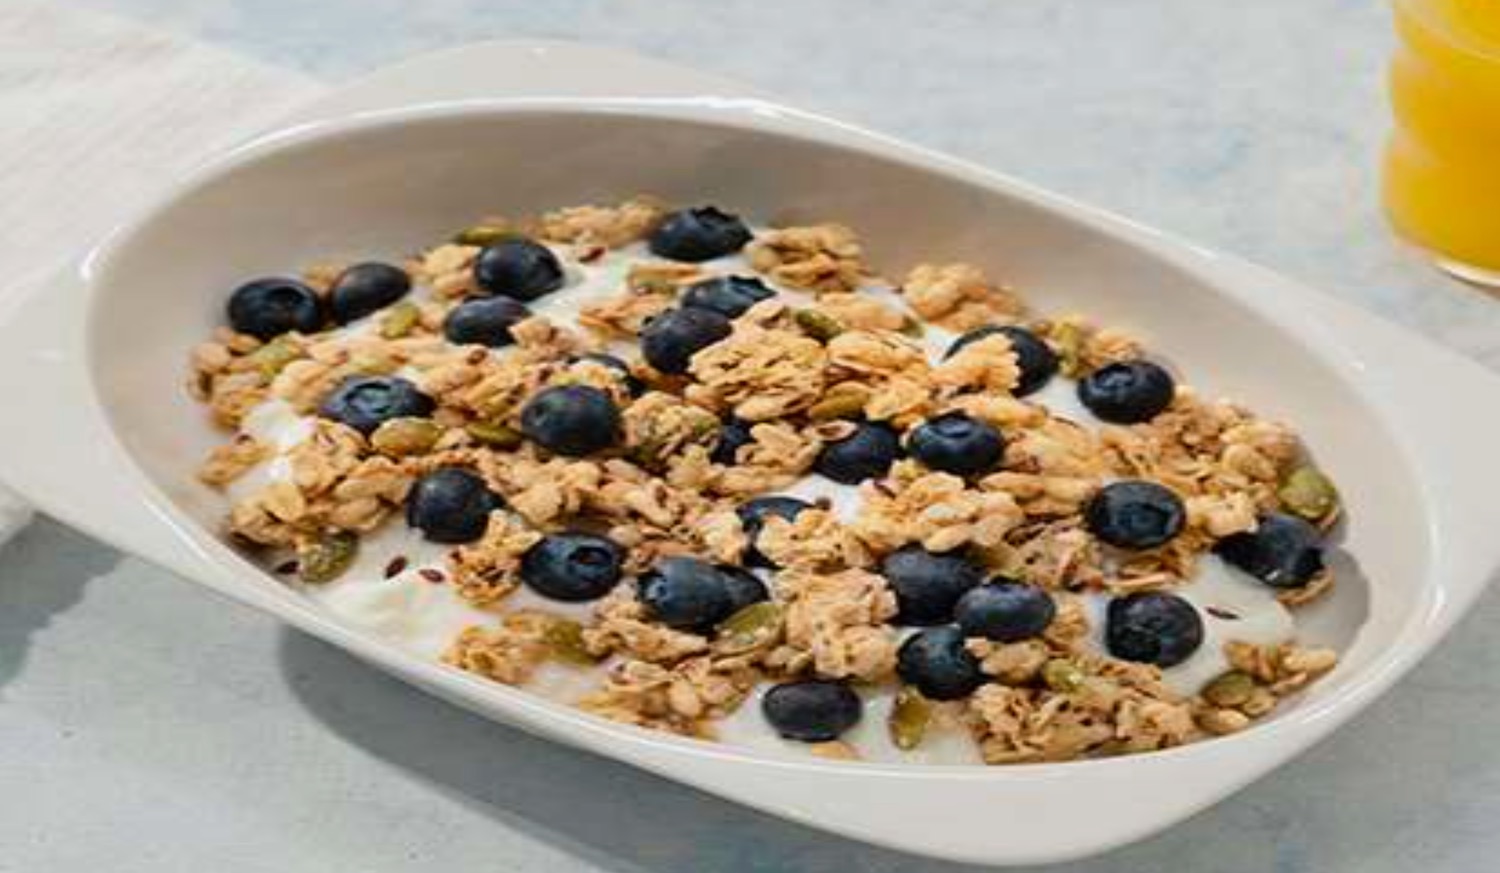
(422, 616)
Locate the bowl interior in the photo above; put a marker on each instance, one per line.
(395, 185)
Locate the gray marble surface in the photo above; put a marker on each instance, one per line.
(145, 725)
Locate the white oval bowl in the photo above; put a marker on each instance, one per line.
(100, 355)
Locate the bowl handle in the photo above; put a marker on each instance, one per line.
(58, 451)
(1444, 410)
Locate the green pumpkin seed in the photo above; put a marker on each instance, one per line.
(819, 325)
(910, 715)
(400, 437)
(844, 400)
(565, 637)
(328, 558)
(750, 627)
(400, 320)
(484, 235)
(912, 327)
(1309, 493)
(273, 357)
(1067, 338)
(1062, 675)
(1230, 689)
(493, 433)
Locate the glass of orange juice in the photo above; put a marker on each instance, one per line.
(1442, 165)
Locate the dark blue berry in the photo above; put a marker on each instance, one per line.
(699, 234)
(1036, 360)
(927, 585)
(958, 444)
(811, 711)
(366, 288)
(867, 453)
(686, 594)
(484, 321)
(1152, 627)
(1283, 551)
(1134, 514)
(572, 566)
(1005, 611)
(669, 340)
(729, 296)
(268, 308)
(632, 385)
(1128, 392)
(935, 661)
(572, 420)
(733, 435)
(451, 505)
(366, 402)
(519, 269)
(753, 514)
(744, 587)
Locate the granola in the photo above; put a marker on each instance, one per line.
(678, 539)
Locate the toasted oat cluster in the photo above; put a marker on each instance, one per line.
(723, 472)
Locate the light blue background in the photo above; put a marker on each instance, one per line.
(146, 726)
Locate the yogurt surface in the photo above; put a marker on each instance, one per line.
(411, 610)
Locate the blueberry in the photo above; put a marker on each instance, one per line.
(1005, 610)
(1128, 392)
(686, 593)
(573, 420)
(958, 444)
(729, 296)
(519, 269)
(733, 435)
(366, 402)
(811, 711)
(1152, 627)
(484, 321)
(366, 288)
(451, 505)
(699, 234)
(1283, 551)
(632, 385)
(267, 308)
(744, 587)
(753, 514)
(1037, 361)
(936, 662)
(928, 585)
(669, 340)
(572, 566)
(1134, 514)
(867, 453)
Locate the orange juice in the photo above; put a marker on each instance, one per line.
(1442, 171)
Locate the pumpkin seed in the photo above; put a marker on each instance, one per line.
(400, 320)
(819, 325)
(1067, 337)
(910, 715)
(750, 627)
(1309, 493)
(484, 235)
(273, 357)
(493, 433)
(565, 637)
(912, 327)
(1062, 675)
(328, 558)
(399, 437)
(844, 400)
(1230, 689)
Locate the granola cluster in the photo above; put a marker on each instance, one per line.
(834, 356)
